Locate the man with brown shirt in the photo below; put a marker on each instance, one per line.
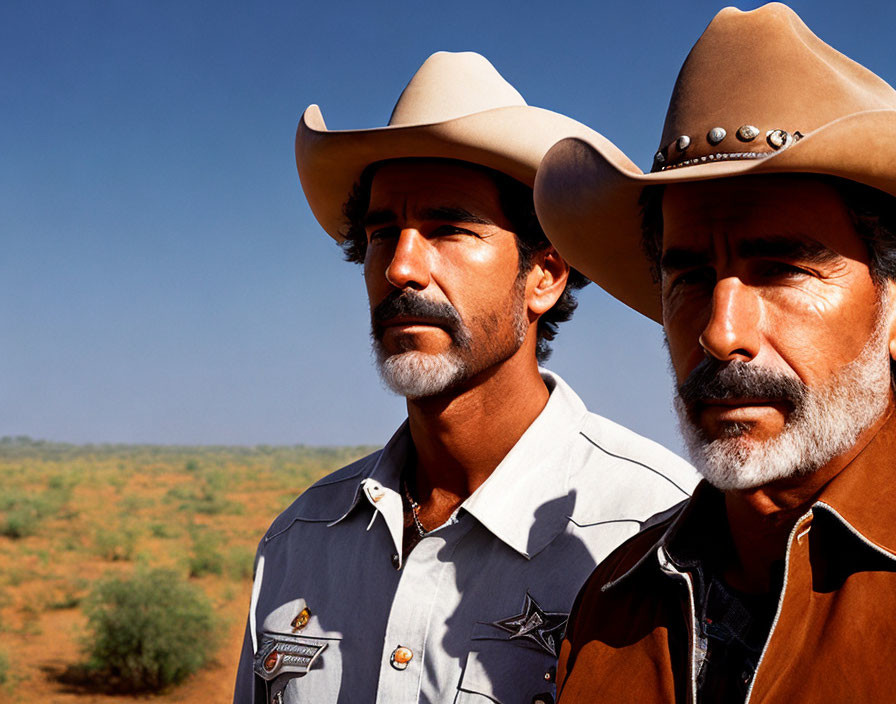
(769, 224)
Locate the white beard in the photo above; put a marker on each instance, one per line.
(826, 425)
(416, 374)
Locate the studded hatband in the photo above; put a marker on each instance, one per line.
(672, 156)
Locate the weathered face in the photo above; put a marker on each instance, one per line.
(769, 310)
(442, 276)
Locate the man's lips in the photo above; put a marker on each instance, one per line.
(742, 409)
(406, 322)
(738, 402)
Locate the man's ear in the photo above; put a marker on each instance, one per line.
(546, 280)
(891, 315)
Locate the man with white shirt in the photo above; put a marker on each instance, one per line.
(443, 567)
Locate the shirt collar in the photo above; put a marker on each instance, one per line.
(863, 494)
(862, 497)
(526, 501)
(383, 471)
(393, 459)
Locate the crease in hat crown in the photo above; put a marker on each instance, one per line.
(759, 93)
(450, 85)
(456, 106)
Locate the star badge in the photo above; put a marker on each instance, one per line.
(543, 628)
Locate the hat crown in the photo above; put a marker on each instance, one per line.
(450, 85)
(763, 71)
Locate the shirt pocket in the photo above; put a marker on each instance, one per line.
(321, 680)
(506, 672)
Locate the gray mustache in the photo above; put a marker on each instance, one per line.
(715, 380)
(402, 303)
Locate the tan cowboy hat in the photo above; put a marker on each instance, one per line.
(758, 94)
(457, 106)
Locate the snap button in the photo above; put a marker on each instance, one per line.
(543, 699)
(400, 657)
(395, 561)
(375, 492)
(301, 619)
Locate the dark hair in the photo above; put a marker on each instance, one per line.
(518, 207)
(873, 214)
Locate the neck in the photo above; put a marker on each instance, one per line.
(760, 519)
(461, 437)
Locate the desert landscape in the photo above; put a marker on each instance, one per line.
(90, 531)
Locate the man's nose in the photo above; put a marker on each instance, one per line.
(409, 267)
(732, 331)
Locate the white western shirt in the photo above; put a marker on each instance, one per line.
(479, 605)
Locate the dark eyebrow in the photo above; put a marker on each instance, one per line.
(809, 251)
(378, 217)
(679, 258)
(449, 213)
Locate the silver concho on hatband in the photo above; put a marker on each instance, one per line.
(747, 133)
(777, 139)
(716, 135)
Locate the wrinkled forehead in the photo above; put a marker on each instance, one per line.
(731, 213)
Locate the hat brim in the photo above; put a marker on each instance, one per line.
(589, 207)
(511, 139)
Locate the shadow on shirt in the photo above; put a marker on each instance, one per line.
(493, 580)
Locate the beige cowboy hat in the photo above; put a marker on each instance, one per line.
(457, 106)
(758, 94)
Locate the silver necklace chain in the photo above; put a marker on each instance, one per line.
(415, 508)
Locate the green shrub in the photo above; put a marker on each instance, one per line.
(132, 504)
(205, 557)
(162, 530)
(21, 522)
(26, 511)
(63, 483)
(148, 631)
(204, 499)
(4, 668)
(240, 562)
(69, 600)
(115, 544)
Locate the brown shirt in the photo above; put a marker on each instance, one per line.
(632, 635)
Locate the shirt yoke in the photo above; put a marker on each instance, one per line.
(626, 476)
(327, 499)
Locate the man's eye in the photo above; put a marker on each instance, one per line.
(448, 230)
(694, 277)
(382, 233)
(783, 270)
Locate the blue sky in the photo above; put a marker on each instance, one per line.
(162, 278)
